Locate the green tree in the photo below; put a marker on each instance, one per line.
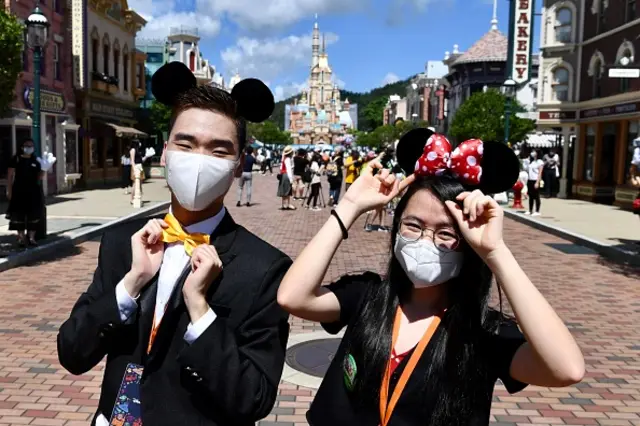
(373, 113)
(482, 116)
(268, 132)
(160, 116)
(11, 40)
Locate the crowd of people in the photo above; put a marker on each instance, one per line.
(191, 310)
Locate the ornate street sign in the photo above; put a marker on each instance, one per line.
(49, 101)
(520, 40)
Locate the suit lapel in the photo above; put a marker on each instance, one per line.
(222, 239)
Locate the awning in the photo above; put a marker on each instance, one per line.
(127, 131)
(542, 140)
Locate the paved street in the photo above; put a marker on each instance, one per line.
(599, 300)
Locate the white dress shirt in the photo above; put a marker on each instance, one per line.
(174, 261)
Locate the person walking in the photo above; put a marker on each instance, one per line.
(421, 346)
(353, 164)
(534, 167)
(286, 177)
(24, 192)
(126, 173)
(184, 308)
(316, 169)
(335, 176)
(137, 168)
(246, 178)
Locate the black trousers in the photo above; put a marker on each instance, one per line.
(534, 195)
(315, 191)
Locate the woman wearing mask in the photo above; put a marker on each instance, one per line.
(421, 346)
(534, 168)
(316, 172)
(25, 194)
(286, 178)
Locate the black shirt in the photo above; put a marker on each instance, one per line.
(299, 165)
(334, 405)
(27, 173)
(249, 161)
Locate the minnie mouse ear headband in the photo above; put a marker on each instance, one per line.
(254, 100)
(491, 167)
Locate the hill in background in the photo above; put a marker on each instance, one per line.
(365, 115)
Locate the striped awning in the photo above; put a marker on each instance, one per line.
(123, 131)
(541, 140)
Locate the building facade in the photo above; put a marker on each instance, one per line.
(58, 129)
(319, 115)
(109, 79)
(608, 112)
(157, 54)
(184, 46)
(558, 88)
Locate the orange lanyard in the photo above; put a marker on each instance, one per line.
(154, 328)
(387, 406)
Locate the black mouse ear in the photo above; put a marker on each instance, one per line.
(500, 168)
(170, 80)
(410, 148)
(254, 100)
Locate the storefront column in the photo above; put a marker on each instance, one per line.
(566, 136)
(578, 153)
(620, 153)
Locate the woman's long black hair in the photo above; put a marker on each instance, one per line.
(453, 365)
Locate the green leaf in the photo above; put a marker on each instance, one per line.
(11, 40)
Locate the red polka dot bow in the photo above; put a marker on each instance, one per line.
(464, 162)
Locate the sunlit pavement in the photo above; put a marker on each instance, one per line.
(599, 301)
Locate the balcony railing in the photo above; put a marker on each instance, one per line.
(192, 31)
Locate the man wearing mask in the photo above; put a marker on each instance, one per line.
(184, 308)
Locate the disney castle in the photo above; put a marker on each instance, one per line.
(319, 115)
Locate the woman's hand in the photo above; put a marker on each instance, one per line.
(479, 220)
(371, 191)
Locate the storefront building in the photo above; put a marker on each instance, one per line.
(58, 128)
(609, 108)
(109, 79)
(558, 90)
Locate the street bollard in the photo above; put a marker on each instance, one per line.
(517, 195)
(137, 187)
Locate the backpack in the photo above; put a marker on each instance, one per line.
(307, 175)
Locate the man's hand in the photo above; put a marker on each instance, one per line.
(147, 250)
(205, 268)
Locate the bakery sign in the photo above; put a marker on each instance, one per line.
(49, 101)
(522, 35)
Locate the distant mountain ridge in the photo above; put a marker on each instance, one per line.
(362, 99)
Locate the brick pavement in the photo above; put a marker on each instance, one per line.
(600, 301)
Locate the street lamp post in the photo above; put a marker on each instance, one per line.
(36, 37)
(509, 90)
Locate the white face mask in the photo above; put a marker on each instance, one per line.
(27, 151)
(197, 180)
(425, 264)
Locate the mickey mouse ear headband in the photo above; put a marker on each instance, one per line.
(254, 100)
(489, 166)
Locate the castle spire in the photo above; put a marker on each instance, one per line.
(494, 20)
(315, 47)
(324, 44)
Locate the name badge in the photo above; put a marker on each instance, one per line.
(350, 370)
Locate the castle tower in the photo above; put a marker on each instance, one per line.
(315, 47)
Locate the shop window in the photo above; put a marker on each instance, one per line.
(95, 154)
(139, 76)
(607, 156)
(192, 61)
(116, 63)
(57, 63)
(632, 134)
(630, 10)
(105, 57)
(71, 151)
(563, 27)
(125, 70)
(589, 153)
(94, 54)
(560, 85)
(111, 153)
(6, 150)
(22, 134)
(57, 6)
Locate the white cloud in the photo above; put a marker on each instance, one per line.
(270, 14)
(390, 78)
(271, 57)
(285, 91)
(162, 15)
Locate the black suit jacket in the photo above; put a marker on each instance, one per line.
(228, 376)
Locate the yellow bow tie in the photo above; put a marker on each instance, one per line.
(174, 233)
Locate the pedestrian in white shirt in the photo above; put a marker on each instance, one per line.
(534, 168)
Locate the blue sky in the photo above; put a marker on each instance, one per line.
(368, 41)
